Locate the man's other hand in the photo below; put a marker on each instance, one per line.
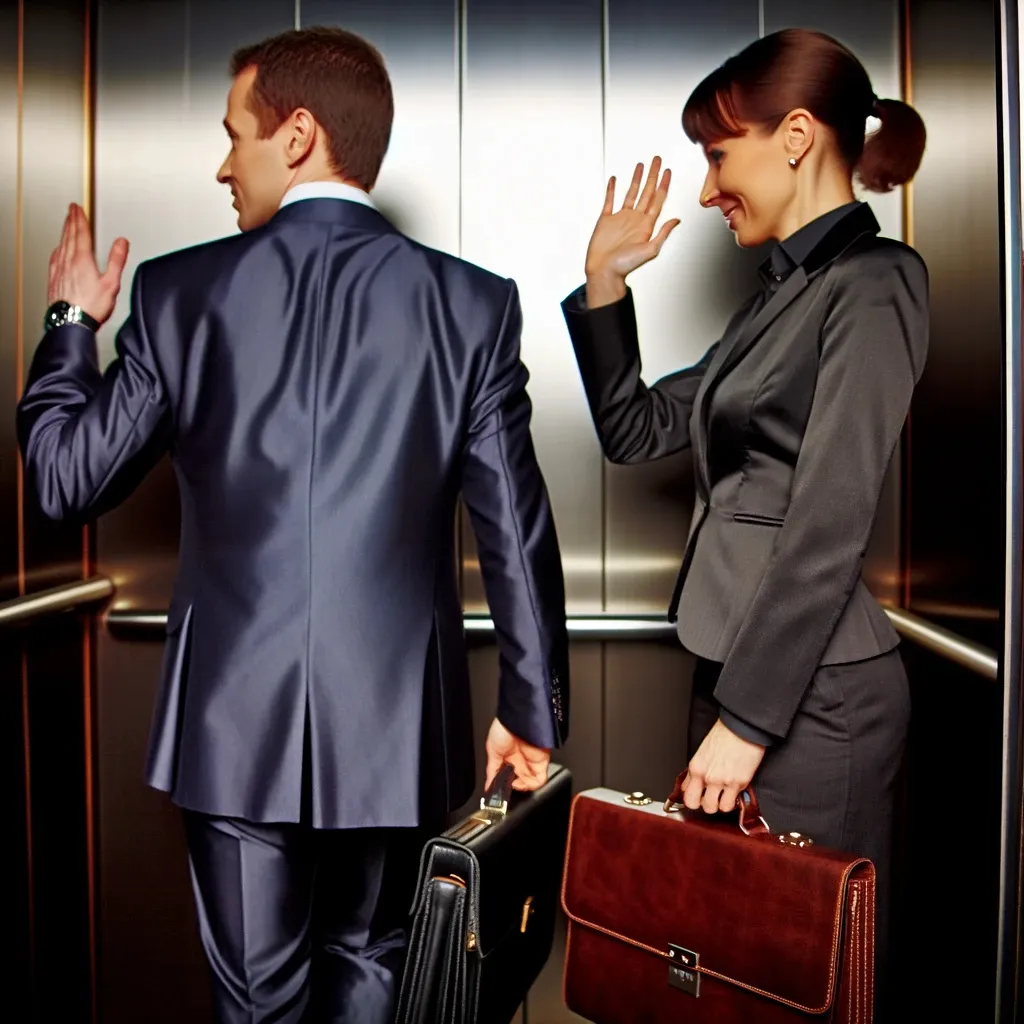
(529, 762)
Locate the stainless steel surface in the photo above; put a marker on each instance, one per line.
(16, 883)
(47, 665)
(954, 513)
(508, 118)
(9, 361)
(1011, 919)
(53, 109)
(20, 610)
(596, 627)
(655, 54)
(531, 189)
(979, 659)
(955, 531)
(646, 628)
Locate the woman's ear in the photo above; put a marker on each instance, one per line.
(797, 133)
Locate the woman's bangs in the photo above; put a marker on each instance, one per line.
(710, 113)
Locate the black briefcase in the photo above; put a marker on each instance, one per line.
(486, 901)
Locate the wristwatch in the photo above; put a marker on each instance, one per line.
(61, 313)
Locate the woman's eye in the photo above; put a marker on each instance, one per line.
(715, 156)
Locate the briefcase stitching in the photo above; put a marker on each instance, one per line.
(836, 929)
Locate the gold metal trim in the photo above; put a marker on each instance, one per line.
(527, 911)
(56, 599)
(637, 799)
(795, 839)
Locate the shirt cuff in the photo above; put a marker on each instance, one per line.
(745, 730)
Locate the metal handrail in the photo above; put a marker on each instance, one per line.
(944, 642)
(941, 641)
(66, 597)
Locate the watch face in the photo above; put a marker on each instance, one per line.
(57, 315)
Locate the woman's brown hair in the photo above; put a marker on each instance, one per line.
(798, 68)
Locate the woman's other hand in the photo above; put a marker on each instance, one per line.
(624, 239)
(722, 768)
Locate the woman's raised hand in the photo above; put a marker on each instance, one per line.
(624, 239)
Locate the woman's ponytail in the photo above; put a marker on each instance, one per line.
(892, 154)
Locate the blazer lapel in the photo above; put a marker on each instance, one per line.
(856, 225)
(759, 323)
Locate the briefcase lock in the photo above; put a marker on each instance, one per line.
(637, 799)
(683, 972)
(795, 839)
(527, 911)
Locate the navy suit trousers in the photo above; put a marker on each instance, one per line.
(299, 924)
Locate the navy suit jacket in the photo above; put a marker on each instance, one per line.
(326, 388)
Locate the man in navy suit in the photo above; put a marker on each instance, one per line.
(326, 389)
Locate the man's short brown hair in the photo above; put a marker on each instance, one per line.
(339, 78)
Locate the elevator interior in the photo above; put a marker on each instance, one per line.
(510, 115)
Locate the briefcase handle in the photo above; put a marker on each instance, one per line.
(750, 821)
(497, 797)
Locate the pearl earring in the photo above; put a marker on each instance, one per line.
(792, 162)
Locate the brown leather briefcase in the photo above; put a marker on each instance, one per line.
(676, 916)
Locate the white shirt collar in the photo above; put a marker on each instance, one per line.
(326, 190)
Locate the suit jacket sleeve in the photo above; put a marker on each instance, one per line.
(873, 348)
(88, 437)
(634, 423)
(508, 505)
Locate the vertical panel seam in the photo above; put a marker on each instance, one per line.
(460, 60)
(88, 201)
(906, 87)
(603, 731)
(18, 375)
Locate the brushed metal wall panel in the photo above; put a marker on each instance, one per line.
(956, 508)
(8, 286)
(872, 30)
(53, 175)
(647, 713)
(52, 161)
(531, 192)
(16, 975)
(656, 54)
(152, 967)
(162, 83)
(418, 188)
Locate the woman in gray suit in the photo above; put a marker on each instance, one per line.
(793, 417)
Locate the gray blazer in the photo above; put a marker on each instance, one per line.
(793, 417)
(326, 388)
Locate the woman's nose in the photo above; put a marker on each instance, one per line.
(709, 193)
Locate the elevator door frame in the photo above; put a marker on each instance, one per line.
(1010, 921)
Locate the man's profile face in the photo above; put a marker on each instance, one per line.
(255, 169)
